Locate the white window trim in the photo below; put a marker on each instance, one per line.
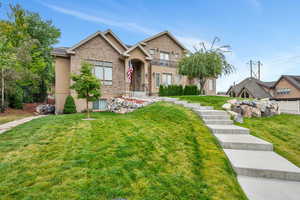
(157, 74)
(105, 82)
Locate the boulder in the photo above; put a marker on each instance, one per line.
(232, 101)
(227, 106)
(45, 109)
(239, 118)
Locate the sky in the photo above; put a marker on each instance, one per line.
(258, 30)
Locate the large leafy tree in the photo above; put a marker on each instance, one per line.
(86, 85)
(25, 61)
(205, 63)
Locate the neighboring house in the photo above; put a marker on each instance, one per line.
(287, 87)
(154, 61)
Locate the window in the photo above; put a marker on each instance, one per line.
(282, 91)
(167, 79)
(178, 78)
(157, 80)
(176, 55)
(210, 84)
(164, 56)
(103, 71)
(152, 51)
(100, 105)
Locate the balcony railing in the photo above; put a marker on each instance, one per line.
(167, 63)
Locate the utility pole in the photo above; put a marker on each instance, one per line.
(259, 65)
(251, 63)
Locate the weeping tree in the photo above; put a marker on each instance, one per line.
(86, 85)
(204, 63)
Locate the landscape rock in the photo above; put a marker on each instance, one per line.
(254, 108)
(239, 118)
(45, 109)
(125, 105)
(227, 106)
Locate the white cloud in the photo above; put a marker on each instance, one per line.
(101, 20)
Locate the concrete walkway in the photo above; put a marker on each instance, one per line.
(9, 125)
(263, 174)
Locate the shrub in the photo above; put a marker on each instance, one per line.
(16, 98)
(171, 90)
(69, 106)
(191, 90)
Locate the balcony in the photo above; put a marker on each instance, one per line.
(166, 63)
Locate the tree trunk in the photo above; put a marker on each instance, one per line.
(2, 90)
(87, 108)
(202, 82)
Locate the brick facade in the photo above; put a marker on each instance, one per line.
(105, 47)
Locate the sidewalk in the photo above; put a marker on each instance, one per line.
(9, 125)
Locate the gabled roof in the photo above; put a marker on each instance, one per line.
(98, 33)
(148, 56)
(164, 33)
(294, 80)
(60, 52)
(253, 85)
(116, 37)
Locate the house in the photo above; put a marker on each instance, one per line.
(154, 61)
(287, 87)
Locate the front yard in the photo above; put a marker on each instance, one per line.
(162, 151)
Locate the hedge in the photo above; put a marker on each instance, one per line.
(178, 90)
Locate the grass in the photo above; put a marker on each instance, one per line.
(162, 151)
(11, 117)
(216, 101)
(281, 130)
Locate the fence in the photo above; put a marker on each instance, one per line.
(292, 107)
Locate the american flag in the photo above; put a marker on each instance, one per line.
(130, 71)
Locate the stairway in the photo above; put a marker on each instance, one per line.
(263, 174)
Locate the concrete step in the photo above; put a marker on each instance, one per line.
(203, 108)
(168, 99)
(192, 105)
(273, 189)
(266, 164)
(180, 102)
(215, 117)
(212, 112)
(243, 142)
(218, 122)
(228, 129)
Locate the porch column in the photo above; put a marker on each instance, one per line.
(146, 77)
(127, 81)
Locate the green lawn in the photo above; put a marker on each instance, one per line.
(215, 101)
(4, 118)
(281, 130)
(162, 151)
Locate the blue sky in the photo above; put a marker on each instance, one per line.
(265, 30)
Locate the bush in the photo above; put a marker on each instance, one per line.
(69, 106)
(191, 90)
(16, 98)
(170, 90)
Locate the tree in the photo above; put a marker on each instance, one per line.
(86, 85)
(25, 55)
(69, 106)
(205, 63)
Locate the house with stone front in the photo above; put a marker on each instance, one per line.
(154, 62)
(287, 87)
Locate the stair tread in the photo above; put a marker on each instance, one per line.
(262, 160)
(265, 188)
(241, 138)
